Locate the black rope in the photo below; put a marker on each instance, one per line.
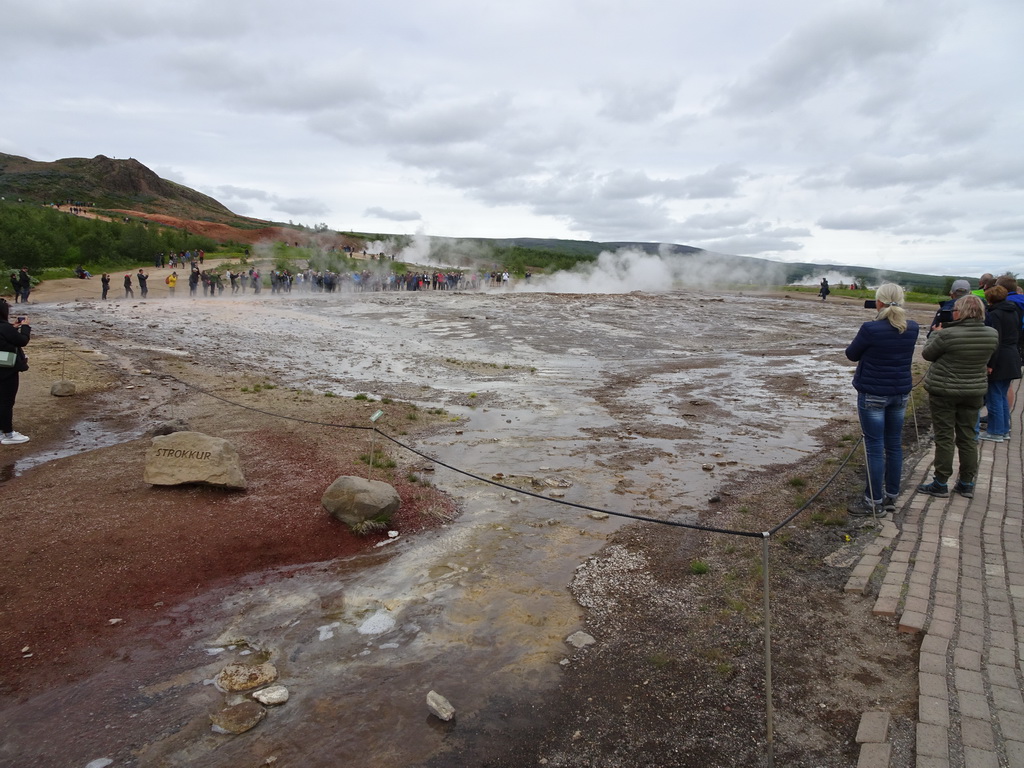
(627, 515)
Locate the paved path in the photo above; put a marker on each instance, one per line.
(955, 574)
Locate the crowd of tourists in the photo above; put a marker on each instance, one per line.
(975, 345)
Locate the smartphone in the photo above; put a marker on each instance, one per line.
(870, 304)
(21, 319)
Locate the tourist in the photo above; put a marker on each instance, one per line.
(957, 382)
(1004, 365)
(105, 282)
(883, 350)
(824, 291)
(172, 281)
(958, 289)
(12, 338)
(128, 287)
(143, 279)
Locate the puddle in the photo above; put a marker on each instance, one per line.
(86, 435)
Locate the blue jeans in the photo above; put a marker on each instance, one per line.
(881, 421)
(998, 407)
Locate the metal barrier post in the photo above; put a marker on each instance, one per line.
(769, 709)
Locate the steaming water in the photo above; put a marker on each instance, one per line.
(623, 399)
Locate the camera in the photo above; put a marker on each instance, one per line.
(21, 319)
(945, 316)
(870, 304)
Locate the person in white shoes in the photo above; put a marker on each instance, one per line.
(12, 338)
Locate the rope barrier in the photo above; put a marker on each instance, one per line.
(585, 507)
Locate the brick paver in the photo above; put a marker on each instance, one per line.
(954, 573)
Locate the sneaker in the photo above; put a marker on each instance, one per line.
(934, 489)
(991, 438)
(964, 489)
(865, 508)
(13, 438)
(889, 504)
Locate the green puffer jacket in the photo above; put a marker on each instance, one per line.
(959, 355)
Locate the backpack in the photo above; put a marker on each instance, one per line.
(167, 280)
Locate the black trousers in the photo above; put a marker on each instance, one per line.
(8, 391)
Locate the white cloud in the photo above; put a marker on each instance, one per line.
(881, 131)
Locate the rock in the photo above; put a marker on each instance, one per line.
(192, 457)
(439, 706)
(272, 696)
(239, 718)
(356, 501)
(580, 640)
(598, 515)
(62, 388)
(169, 427)
(708, 467)
(245, 677)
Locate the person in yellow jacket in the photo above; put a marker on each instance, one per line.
(171, 280)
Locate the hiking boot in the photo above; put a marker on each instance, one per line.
(866, 508)
(964, 489)
(934, 488)
(13, 438)
(889, 504)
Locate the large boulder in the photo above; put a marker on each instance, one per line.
(364, 505)
(192, 457)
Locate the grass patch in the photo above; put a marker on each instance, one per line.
(699, 567)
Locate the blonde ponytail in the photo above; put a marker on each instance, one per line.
(891, 295)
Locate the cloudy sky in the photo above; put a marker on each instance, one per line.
(886, 134)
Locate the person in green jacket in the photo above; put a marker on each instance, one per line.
(957, 382)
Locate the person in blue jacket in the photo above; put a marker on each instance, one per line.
(883, 350)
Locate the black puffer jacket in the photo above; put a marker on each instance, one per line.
(12, 340)
(1005, 361)
(959, 354)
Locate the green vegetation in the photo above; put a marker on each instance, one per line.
(37, 237)
(699, 568)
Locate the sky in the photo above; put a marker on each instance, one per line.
(881, 134)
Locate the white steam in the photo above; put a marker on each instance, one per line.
(630, 269)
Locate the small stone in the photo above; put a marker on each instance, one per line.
(580, 639)
(440, 706)
(272, 696)
(112, 622)
(598, 515)
(239, 718)
(707, 467)
(62, 388)
(245, 677)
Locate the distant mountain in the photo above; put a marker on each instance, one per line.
(107, 184)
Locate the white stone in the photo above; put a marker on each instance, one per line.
(440, 706)
(580, 640)
(272, 696)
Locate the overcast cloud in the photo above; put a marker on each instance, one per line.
(871, 133)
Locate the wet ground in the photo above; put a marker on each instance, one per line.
(636, 403)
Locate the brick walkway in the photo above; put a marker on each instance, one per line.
(955, 574)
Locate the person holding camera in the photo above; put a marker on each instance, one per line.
(883, 350)
(957, 382)
(12, 362)
(959, 289)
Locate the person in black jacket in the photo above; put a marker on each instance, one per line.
(1004, 365)
(883, 350)
(12, 339)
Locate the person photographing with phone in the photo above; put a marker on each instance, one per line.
(883, 350)
(12, 363)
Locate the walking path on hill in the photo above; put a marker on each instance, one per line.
(955, 574)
